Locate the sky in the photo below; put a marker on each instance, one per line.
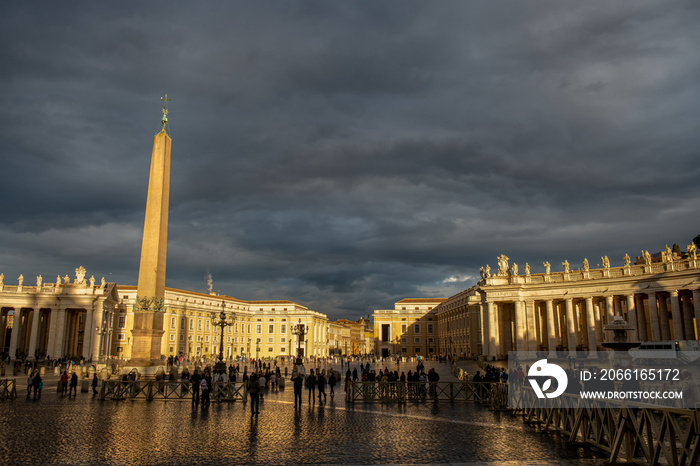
(346, 155)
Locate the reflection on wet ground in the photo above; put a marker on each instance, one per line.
(84, 430)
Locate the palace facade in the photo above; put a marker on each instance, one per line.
(84, 320)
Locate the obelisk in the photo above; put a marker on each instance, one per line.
(148, 311)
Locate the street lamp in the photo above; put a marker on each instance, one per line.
(220, 367)
(299, 330)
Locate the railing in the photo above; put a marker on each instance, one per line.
(167, 389)
(402, 392)
(8, 389)
(633, 432)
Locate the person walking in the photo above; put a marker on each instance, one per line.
(204, 388)
(64, 383)
(94, 384)
(321, 383)
(195, 380)
(38, 385)
(73, 385)
(254, 390)
(311, 386)
(331, 382)
(30, 384)
(298, 381)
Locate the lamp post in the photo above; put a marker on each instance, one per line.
(299, 330)
(220, 367)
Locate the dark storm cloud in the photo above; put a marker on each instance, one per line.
(345, 155)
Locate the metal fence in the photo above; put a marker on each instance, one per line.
(166, 389)
(633, 432)
(403, 392)
(8, 389)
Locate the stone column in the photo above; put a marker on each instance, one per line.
(89, 334)
(617, 304)
(570, 325)
(641, 317)
(520, 326)
(531, 339)
(598, 311)
(505, 320)
(676, 316)
(632, 317)
(493, 337)
(484, 328)
(609, 309)
(663, 314)
(551, 322)
(592, 338)
(14, 337)
(654, 318)
(696, 306)
(59, 335)
(33, 335)
(688, 326)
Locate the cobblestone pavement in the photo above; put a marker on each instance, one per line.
(83, 430)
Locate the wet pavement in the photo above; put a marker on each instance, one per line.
(84, 430)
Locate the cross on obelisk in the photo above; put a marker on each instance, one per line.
(165, 110)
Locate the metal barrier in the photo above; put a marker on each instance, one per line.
(167, 389)
(402, 392)
(633, 432)
(8, 389)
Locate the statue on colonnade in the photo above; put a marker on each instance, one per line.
(2, 279)
(566, 266)
(606, 262)
(502, 265)
(515, 268)
(586, 265)
(628, 260)
(547, 267)
(20, 279)
(527, 269)
(39, 281)
(647, 257)
(692, 252)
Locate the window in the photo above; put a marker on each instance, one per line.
(258, 328)
(191, 324)
(207, 338)
(283, 328)
(283, 340)
(416, 340)
(122, 322)
(235, 328)
(430, 328)
(208, 325)
(282, 350)
(172, 322)
(199, 324)
(182, 337)
(270, 328)
(403, 328)
(199, 337)
(270, 350)
(121, 336)
(417, 308)
(182, 323)
(248, 328)
(270, 340)
(404, 339)
(416, 328)
(172, 337)
(417, 349)
(404, 350)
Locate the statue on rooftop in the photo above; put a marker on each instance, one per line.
(566, 266)
(647, 257)
(502, 265)
(606, 262)
(20, 279)
(527, 269)
(586, 265)
(39, 281)
(627, 259)
(547, 267)
(692, 251)
(515, 268)
(80, 275)
(487, 271)
(2, 279)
